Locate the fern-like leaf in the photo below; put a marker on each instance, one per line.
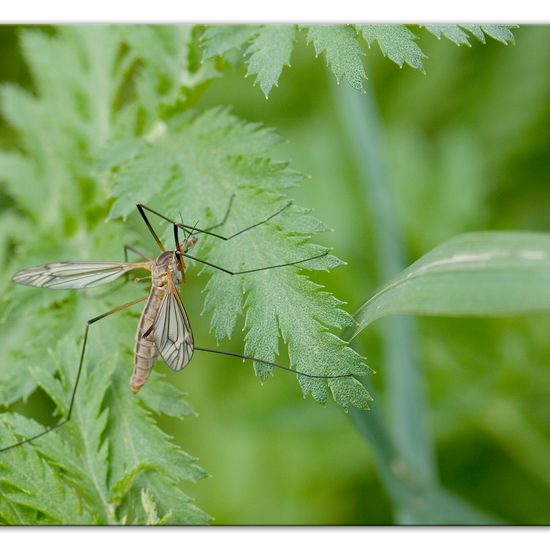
(104, 469)
(206, 159)
(32, 490)
(343, 53)
(396, 42)
(109, 82)
(220, 39)
(268, 53)
(266, 49)
(457, 34)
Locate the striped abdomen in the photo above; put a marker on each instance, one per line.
(145, 351)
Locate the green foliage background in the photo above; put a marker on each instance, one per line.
(466, 149)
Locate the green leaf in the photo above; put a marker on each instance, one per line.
(20, 351)
(148, 170)
(18, 176)
(79, 473)
(456, 34)
(106, 452)
(28, 483)
(502, 33)
(342, 50)
(396, 42)
(166, 77)
(269, 47)
(453, 32)
(163, 398)
(268, 53)
(150, 509)
(477, 274)
(136, 441)
(219, 39)
(213, 156)
(418, 499)
(84, 433)
(77, 453)
(173, 505)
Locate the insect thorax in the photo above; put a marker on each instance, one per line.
(163, 264)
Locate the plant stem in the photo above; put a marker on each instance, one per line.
(405, 387)
(402, 443)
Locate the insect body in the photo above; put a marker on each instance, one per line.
(164, 326)
(164, 329)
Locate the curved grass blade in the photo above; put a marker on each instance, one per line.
(475, 274)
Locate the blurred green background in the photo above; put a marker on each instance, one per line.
(465, 148)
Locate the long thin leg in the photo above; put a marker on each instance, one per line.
(78, 374)
(228, 271)
(142, 207)
(270, 363)
(129, 247)
(137, 252)
(225, 216)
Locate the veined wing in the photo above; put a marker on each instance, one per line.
(172, 331)
(65, 275)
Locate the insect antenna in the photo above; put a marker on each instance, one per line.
(193, 229)
(182, 227)
(188, 234)
(271, 363)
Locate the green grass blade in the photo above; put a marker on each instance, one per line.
(476, 274)
(404, 384)
(404, 448)
(416, 501)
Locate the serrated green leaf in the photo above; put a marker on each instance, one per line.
(13, 514)
(150, 509)
(28, 482)
(146, 172)
(396, 42)
(136, 440)
(215, 155)
(268, 53)
(456, 34)
(342, 50)
(302, 318)
(105, 452)
(20, 351)
(453, 32)
(164, 48)
(97, 96)
(163, 398)
(477, 274)
(166, 77)
(173, 505)
(18, 177)
(88, 420)
(502, 33)
(219, 39)
(270, 46)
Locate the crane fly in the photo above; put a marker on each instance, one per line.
(163, 329)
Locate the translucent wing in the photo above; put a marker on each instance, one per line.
(64, 275)
(172, 331)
